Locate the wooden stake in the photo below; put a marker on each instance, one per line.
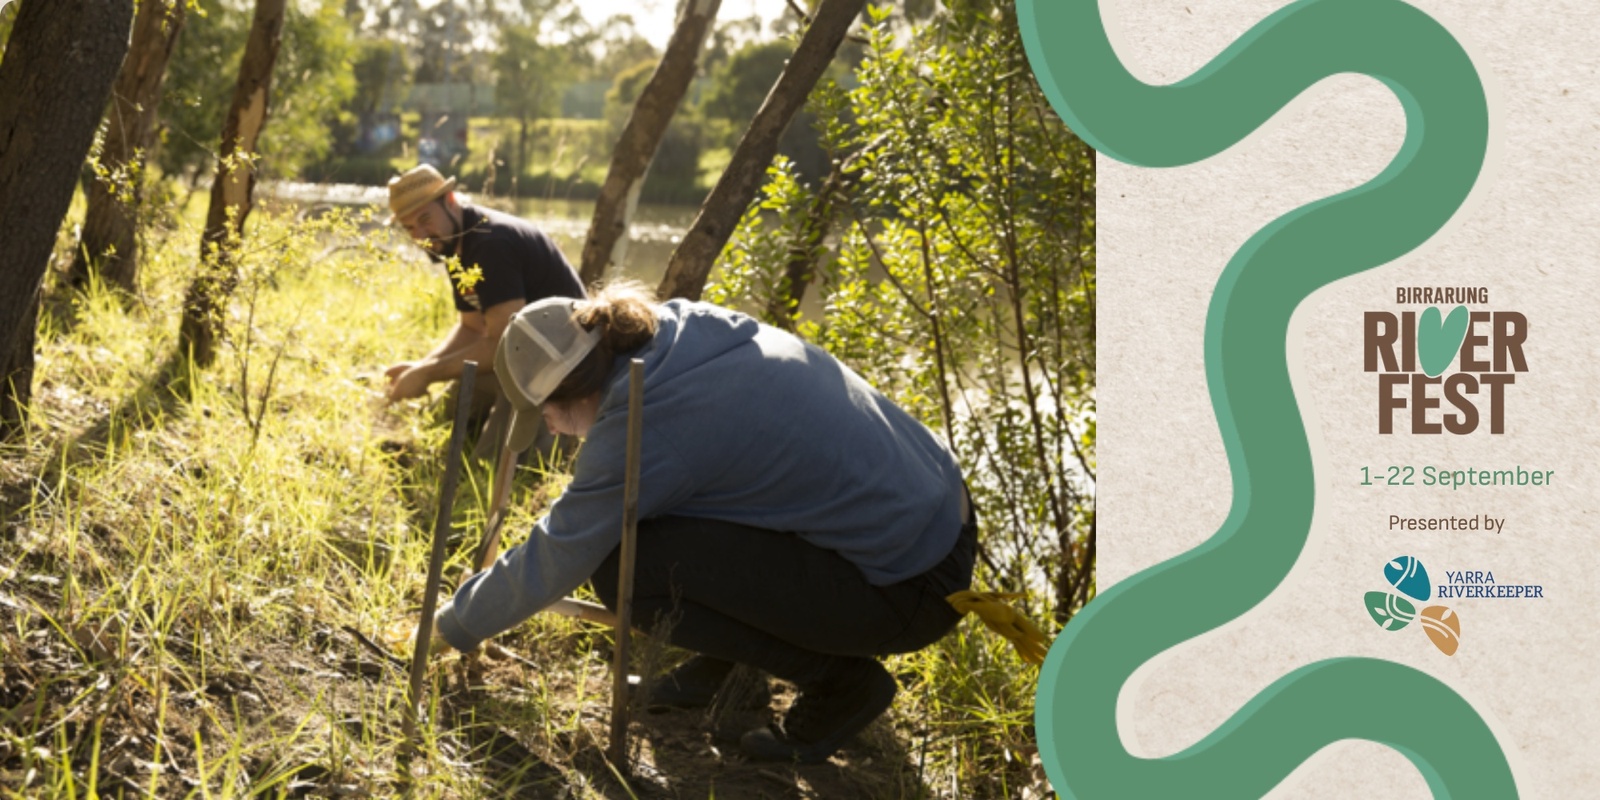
(630, 546)
(499, 497)
(578, 609)
(441, 534)
(489, 548)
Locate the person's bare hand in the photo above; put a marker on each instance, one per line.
(408, 383)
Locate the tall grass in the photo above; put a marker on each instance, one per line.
(185, 567)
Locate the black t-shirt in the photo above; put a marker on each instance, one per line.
(516, 259)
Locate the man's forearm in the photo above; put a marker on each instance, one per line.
(447, 366)
(474, 338)
(459, 337)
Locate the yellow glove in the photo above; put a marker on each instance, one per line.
(436, 642)
(1031, 643)
(401, 638)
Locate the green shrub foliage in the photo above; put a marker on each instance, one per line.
(950, 260)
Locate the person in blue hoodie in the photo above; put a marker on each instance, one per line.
(792, 518)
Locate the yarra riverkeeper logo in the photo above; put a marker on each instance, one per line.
(1396, 608)
(1412, 350)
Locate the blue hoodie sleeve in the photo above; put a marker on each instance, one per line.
(568, 544)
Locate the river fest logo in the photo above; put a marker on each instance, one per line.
(1412, 353)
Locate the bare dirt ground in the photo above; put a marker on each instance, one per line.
(525, 732)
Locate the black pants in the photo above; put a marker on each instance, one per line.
(775, 602)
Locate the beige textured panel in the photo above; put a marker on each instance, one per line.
(1528, 234)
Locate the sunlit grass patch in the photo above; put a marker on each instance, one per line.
(187, 569)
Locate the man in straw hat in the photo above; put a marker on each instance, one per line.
(519, 264)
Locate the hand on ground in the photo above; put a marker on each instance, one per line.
(401, 638)
(406, 381)
(436, 644)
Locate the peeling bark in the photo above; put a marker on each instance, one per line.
(692, 260)
(646, 126)
(232, 188)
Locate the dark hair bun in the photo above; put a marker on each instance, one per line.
(623, 312)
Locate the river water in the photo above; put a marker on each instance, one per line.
(655, 231)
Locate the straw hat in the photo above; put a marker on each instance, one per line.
(415, 189)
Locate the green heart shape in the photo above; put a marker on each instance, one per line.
(1437, 342)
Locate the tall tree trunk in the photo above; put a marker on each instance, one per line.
(16, 369)
(232, 187)
(109, 243)
(652, 113)
(54, 80)
(692, 260)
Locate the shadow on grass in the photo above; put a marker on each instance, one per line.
(157, 400)
(507, 765)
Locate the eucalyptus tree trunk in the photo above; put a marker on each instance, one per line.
(658, 102)
(54, 80)
(692, 260)
(232, 187)
(109, 245)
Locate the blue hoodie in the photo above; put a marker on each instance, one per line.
(743, 423)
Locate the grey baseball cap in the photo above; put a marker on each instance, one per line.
(541, 345)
